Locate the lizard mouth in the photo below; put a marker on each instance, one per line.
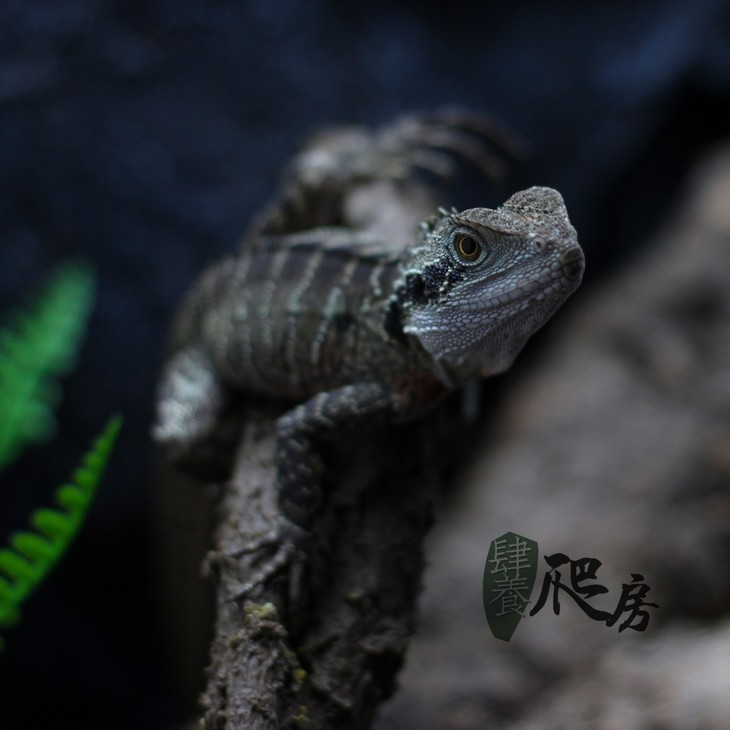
(558, 282)
(555, 284)
(572, 263)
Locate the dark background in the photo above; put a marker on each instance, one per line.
(144, 136)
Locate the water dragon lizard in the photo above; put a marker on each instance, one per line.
(342, 306)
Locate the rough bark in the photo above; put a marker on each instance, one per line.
(322, 650)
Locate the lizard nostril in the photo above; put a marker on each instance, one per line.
(573, 263)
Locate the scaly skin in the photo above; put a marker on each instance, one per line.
(337, 323)
(356, 334)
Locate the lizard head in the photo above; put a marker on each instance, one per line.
(478, 283)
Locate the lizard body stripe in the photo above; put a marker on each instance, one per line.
(227, 353)
(330, 310)
(266, 304)
(293, 308)
(374, 287)
(257, 324)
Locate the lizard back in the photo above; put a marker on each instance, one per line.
(291, 316)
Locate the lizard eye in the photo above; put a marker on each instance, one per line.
(467, 247)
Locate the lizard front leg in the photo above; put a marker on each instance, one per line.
(300, 433)
(196, 422)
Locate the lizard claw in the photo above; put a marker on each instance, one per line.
(281, 558)
(289, 540)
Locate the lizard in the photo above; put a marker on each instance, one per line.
(341, 308)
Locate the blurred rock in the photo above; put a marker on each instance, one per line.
(676, 679)
(616, 446)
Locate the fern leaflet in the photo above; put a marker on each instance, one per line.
(38, 346)
(33, 554)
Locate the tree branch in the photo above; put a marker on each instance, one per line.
(323, 650)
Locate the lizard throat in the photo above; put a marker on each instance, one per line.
(474, 334)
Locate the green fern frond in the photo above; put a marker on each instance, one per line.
(33, 554)
(35, 348)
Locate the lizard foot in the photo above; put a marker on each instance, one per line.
(436, 141)
(290, 553)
